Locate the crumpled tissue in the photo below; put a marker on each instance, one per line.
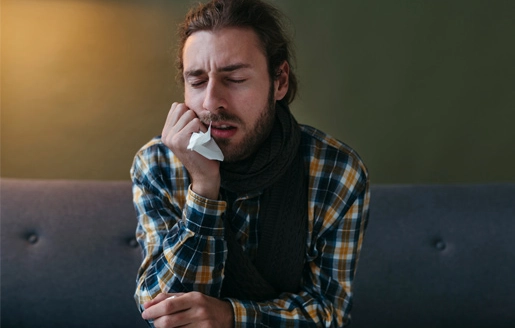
(206, 146)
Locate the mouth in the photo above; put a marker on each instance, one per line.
(223, 131)
(222, 126)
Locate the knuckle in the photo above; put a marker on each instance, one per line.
(176, 105)
(164, 135)
(179, 317)
(196, 123)
(168, 307)
(196, 296)
(168, 140)
(202, 312)
(166, 321)
(191, 116)
(179, 141)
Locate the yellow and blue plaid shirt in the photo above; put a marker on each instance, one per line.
(181, 234)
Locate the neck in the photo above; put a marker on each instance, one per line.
(269, 160)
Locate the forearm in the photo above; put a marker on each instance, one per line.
(187, 256)
(290, 310)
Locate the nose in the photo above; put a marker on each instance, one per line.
(214, 98)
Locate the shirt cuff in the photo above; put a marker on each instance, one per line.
(204, 216)
(246, 314)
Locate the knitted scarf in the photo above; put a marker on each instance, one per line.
(277, 169)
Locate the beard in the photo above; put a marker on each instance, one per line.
(255, 135)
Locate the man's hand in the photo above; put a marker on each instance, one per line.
(191, 309)
(180, 124)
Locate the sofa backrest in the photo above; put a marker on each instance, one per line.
(69, 257)
(438, 256)
(433, 256)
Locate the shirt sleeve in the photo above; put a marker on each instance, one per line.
(181, 235)
(325, 297)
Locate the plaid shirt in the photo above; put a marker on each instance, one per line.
(181, 234)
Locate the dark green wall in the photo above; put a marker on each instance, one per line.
(423, 90)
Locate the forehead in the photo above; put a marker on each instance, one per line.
(207, 50)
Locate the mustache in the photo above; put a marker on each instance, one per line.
(222, 117)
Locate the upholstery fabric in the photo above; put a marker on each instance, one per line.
(438, 256)
(433, 256)
(69, 257)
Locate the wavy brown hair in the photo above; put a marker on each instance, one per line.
(261, 17)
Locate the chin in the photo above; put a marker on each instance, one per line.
(236, 155)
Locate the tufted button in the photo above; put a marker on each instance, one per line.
(440, 245)
(32, 238)
(133, 243)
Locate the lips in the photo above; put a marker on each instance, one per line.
(223, 130)
(223, 127)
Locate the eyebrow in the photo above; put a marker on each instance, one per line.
(228, 68)
(233, 67)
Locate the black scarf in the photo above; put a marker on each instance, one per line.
(277, 169)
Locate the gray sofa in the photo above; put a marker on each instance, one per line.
(434, 256)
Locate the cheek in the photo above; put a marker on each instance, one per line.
(254, 100)
(192, 100)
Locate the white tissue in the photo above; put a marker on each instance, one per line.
(203, 144)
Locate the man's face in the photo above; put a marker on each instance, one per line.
(227, 84)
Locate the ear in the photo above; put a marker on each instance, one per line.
(281, 81)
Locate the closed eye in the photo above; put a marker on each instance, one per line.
(197, 83)
(236, 80)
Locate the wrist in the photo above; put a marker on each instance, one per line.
(208, 189)
(203, 216)
(229, 315)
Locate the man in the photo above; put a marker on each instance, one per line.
(271, 235)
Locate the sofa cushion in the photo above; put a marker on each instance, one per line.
(438, 256)
(433, 256)
(69, 258)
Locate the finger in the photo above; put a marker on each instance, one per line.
(161, 297)
(174, 295)
(175, 135)
(165, 304)
(178, 121)
(171, 117)
(177, 319)
(180, 115)
(187, 123)
(179, 137)
(170, 321)
(157, 299)
(177, 111)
